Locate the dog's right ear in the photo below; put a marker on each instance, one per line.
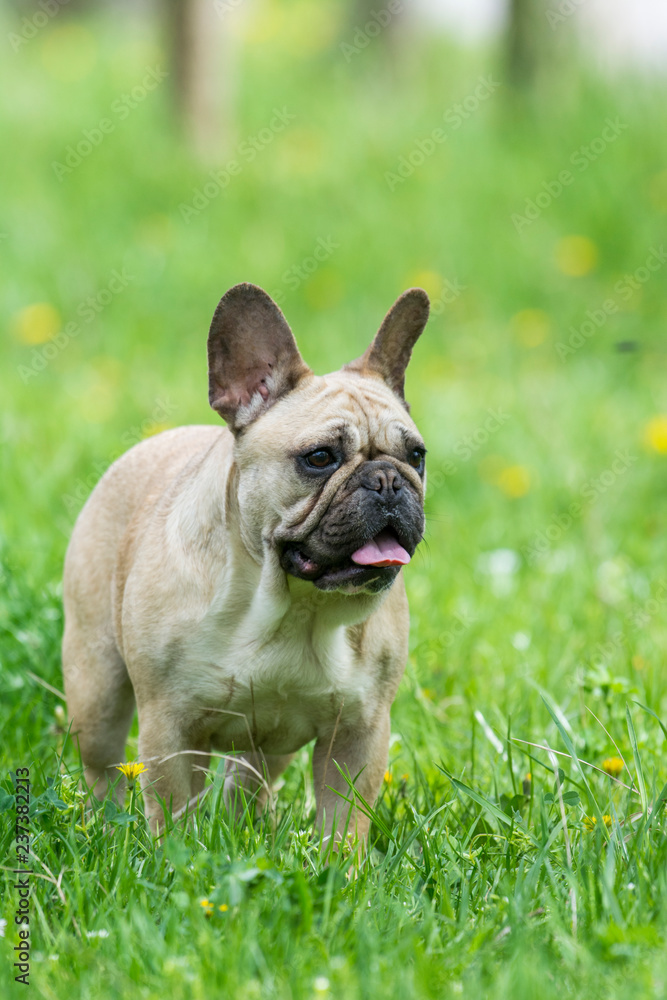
(253, 359)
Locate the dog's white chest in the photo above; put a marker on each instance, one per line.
(275, 695)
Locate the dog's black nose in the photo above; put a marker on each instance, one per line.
(381, 477)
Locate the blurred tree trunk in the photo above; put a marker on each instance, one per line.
(385, 28)
(537, 38)
(523, 42)
(201, 57)
(385, 24)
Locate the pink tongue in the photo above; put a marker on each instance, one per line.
(383, 550)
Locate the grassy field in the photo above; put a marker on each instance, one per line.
(538, 600)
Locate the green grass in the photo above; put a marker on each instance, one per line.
(533, 621)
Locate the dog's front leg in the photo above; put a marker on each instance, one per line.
(362, 756)
(174, 774)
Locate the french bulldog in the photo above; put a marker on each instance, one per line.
(242, 584)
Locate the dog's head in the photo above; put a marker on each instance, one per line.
(330, 470)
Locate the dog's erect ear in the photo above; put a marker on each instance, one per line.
(253, 359)
(390, 352)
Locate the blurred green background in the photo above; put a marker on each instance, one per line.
(533, 215)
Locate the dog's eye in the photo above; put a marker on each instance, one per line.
(320, 459)
(416, 458)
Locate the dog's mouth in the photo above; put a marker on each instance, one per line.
(371, 566)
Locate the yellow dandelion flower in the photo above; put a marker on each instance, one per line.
(590, 822)
(613, 766)
(97, 400)
(223, 907)
(388, 777)
(514, 481)
(154, 429)
(131, 770)
(207, 906)
(530, 327)
(528, 777)
(655, 434)
(37, 323)
(576, 255)
(430, 281)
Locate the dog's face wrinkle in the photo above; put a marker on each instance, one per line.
(339, 438)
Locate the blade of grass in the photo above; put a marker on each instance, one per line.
(656, 717)
(610, 738)
(566, 837)
(570, 748)
(561, 753)
(655, 808)
(481, 800)
(638, 762)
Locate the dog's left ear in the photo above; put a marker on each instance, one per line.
(389, 354)
(253, 359)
